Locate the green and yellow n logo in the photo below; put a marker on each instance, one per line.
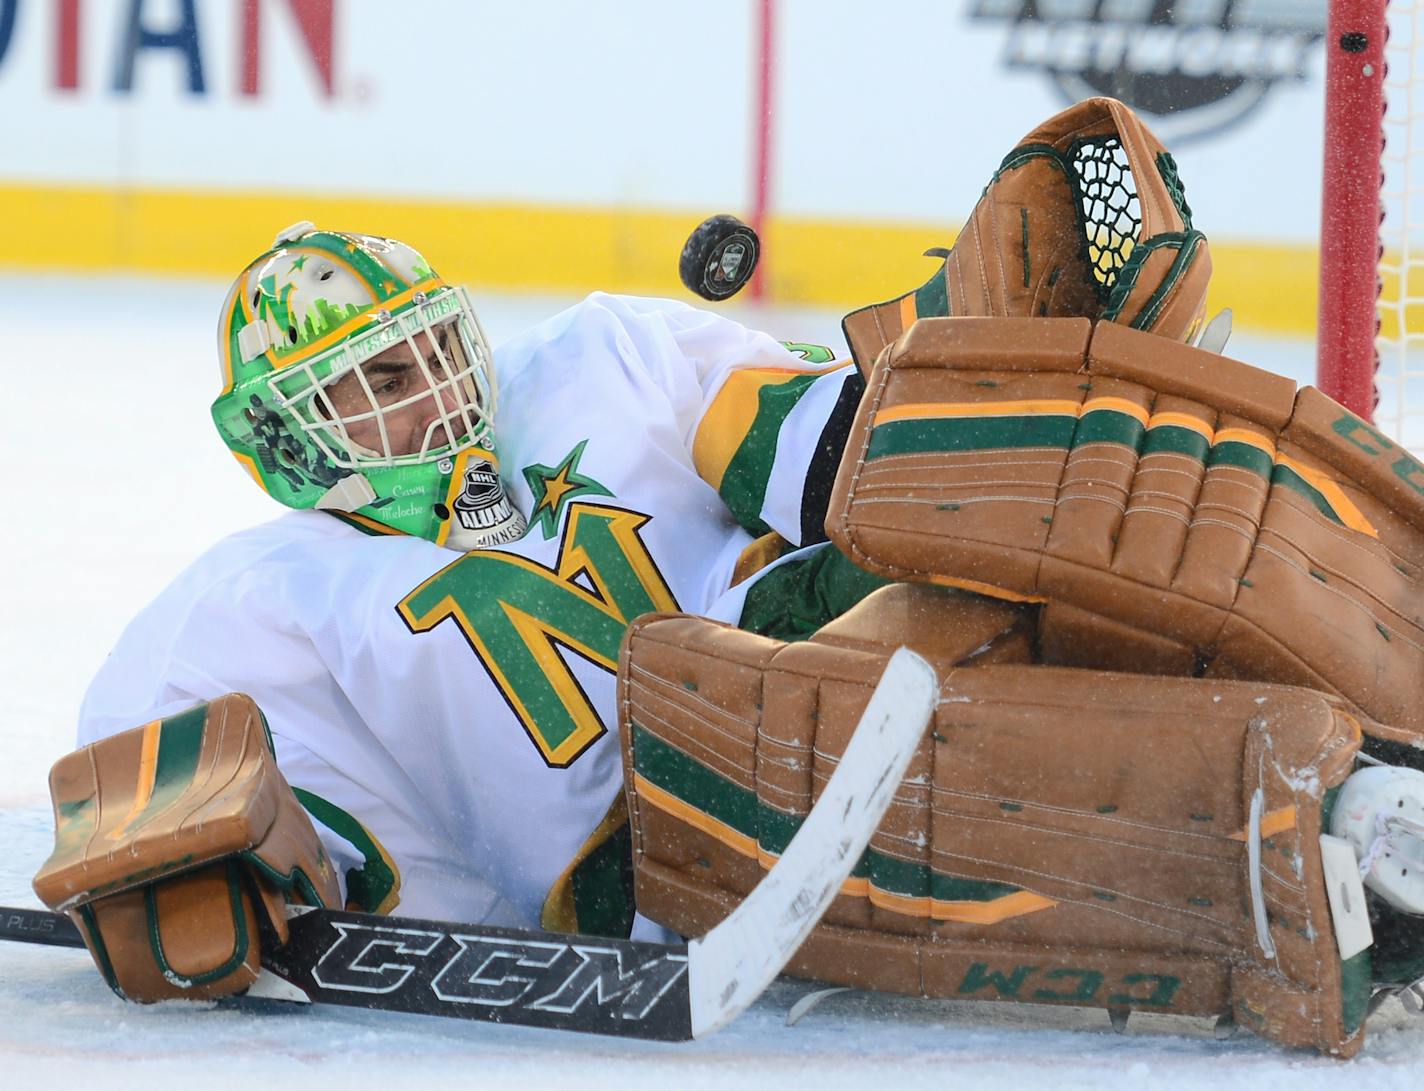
(518, 615)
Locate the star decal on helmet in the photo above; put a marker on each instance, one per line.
(554, 486)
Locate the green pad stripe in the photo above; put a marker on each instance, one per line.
(1109, 426)
(1176, 440)
(952, 433)
(1288, 478)
(1243, 455)
(732, 805)
(931, 434)
(693, 783)
(180, 743)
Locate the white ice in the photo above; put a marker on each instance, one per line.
(115, 480)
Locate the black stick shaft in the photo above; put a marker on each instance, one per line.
(624, 988)
(38, 926)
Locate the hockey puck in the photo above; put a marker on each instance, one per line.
(719, 257)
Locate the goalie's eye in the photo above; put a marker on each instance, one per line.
(390, 380)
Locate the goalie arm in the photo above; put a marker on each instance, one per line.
(763, 422)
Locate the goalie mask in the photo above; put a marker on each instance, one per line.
(356, 380)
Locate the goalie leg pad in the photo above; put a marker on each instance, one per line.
(1062, 836)
(1245, 529)
(176, 845)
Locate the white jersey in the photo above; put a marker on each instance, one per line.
(448, 719)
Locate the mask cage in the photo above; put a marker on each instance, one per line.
(455, 372)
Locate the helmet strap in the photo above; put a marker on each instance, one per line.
(351, 492)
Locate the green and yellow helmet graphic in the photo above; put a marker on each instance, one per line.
(355, 379)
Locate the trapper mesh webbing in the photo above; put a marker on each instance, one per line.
(1112, 216)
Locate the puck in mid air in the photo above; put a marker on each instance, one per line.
(719, 257)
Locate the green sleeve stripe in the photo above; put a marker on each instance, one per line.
(748, 474)
(375, 886)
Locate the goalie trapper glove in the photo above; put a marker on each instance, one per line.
(178, 846)
(1085, 217)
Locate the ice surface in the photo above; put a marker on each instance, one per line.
(116, 479)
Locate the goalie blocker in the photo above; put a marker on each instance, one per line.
(178, 846)
(1063, 836)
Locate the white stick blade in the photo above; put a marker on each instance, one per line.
(730, 966)
(1217, 332)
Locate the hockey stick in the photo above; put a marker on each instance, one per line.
(628, 988)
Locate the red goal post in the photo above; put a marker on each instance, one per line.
(1372, 219)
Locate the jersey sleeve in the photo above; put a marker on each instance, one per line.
(767, 421)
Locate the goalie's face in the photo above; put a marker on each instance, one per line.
(408, 389)
(404, 401)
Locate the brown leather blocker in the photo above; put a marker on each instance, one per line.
(1177, 511)
(1061, 836)
(1084, 218)
(172, 840)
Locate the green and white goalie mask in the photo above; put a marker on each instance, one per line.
(356, 380)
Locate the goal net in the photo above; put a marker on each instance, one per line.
(1371, 328)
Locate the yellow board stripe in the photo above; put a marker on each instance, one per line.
(991, 912)
(147, 773)
(730, 417)
(524, 247)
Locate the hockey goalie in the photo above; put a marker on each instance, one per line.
(1173, 604)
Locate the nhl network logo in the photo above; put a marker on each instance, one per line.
(1194, 66)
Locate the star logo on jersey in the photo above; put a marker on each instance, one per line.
(554, 486)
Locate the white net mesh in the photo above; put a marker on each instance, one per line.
(1401, 304)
